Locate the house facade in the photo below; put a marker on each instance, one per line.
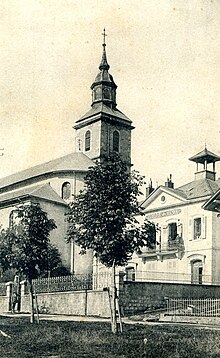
(187, 245)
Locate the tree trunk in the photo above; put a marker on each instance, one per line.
(114, 316)
(31, 300)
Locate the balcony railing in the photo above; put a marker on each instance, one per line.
(171, 246)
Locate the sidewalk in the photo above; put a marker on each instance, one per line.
(200, 324)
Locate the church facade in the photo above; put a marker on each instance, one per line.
(102, 130)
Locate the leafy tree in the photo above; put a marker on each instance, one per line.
(54, 263)
(25, 245)
(103, 216)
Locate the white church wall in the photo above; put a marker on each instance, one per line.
(57, 236)
(95, 139)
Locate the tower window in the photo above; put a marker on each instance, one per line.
(87, 141)
(66, 190)
(115, 141)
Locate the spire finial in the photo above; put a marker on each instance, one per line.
(104, 36)
(104, 63)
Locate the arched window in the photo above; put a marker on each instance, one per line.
(115, 141)
(87, 140)
(66, 190)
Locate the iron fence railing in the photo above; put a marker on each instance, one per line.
(63, 283)
(208, 307)
(172, 277)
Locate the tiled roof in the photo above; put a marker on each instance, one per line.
(71, 162)
(199, 188)
(102, 108)
(175, 191)
(38, 191)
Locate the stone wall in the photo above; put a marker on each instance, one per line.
(80, 303)
(146, 296)
(4, 304)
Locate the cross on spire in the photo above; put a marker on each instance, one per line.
(104, 36)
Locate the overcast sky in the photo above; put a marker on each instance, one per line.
(164, 57)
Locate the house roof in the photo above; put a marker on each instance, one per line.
(178, 194)
(101, 108)
(72, 162)
(44, 191)
(193, 190)
(205, 155)
(199, 188)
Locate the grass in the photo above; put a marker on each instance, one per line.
(95, 340)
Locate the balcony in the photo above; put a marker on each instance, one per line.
(173, 248)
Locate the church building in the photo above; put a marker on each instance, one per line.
(187, 245)
(102, 130)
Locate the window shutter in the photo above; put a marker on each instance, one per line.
(180, 230)
(165, 231)
(204, 226)
(190, 233)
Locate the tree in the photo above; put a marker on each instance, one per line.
(25, 244)
(103, 216)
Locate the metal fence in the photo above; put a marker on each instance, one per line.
(172, 277)
(63, 283)
(209, 307)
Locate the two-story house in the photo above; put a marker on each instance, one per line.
(187, 245)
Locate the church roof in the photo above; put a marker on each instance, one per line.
(101, 108)
(43, 191)
(199, 188)
(70, 162)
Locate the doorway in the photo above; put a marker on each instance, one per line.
(196, 272)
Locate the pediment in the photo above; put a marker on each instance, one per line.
(163, 197)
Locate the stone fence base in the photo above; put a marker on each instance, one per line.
(79, 303)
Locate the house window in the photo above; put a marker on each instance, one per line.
(13, 218)
(115, 141)
(197, 228)
(130, 274)
(87, 141)
(172, 231)
(66, 190)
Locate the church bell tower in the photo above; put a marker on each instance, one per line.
(104, 129)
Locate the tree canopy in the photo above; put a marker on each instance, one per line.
(103, 217)
(25, 245)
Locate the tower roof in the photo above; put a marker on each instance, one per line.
(205, 156)
(104, 87)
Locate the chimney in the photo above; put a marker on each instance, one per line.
(149, 188)
(169, 183)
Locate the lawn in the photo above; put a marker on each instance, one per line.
(95, 340)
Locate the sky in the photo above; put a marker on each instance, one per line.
(163, 55)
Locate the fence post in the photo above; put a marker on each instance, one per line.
(9, 294)
(23, 292)
(86, 301)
